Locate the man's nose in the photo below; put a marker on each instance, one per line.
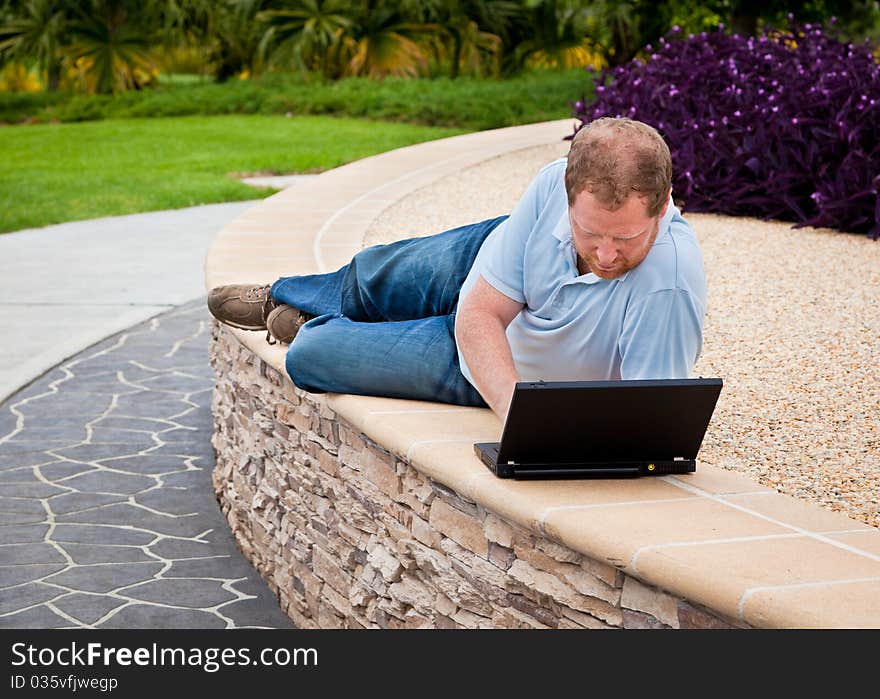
(606, 252)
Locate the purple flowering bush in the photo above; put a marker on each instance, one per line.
(785, 125)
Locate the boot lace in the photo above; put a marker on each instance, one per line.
(256, 293)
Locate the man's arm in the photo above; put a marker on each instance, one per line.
(498, 295)
(483, 316)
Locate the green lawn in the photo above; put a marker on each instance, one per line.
(53, 173)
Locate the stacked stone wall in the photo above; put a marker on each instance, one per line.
(349, 535)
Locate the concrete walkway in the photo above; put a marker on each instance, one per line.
(107, 512)
(65, 287)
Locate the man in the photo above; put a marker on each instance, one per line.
(593, 276)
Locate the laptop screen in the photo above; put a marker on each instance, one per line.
(606, 421)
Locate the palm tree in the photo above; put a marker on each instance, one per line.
(112, 40)
(235, 44)
(622, 19)
(310, 32)
(353, 37)
(189, 23)
(558, 36)
(385, 40)
(476, 30)
(37, 31)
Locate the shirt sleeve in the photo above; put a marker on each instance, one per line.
(502, 266)
(662, 336)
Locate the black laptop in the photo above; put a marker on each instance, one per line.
(603, 429)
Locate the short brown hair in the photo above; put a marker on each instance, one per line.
(613, 157)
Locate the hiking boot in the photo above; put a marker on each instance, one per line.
(243, 306)
(284, 322)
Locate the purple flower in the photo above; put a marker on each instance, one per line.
(732, 116)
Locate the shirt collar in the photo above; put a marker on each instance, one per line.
(562, 232)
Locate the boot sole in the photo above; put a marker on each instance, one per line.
(239, 326)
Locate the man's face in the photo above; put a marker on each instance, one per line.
(612, 242)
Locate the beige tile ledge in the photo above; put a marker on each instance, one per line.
(336, 208)
(714, 537)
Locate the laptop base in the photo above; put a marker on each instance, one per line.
(488, 453)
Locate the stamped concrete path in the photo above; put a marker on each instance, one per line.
(107, 512)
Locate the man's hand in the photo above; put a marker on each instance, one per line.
(483, 316)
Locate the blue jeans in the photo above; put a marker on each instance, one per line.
(385, 321)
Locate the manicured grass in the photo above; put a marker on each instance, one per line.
(466, 102)
(65, 172)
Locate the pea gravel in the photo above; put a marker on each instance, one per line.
(792, 326)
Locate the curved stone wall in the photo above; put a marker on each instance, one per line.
(365, 511)
(349, 535)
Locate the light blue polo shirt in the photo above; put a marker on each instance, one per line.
(646, 324)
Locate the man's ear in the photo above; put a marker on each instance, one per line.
(665, 206)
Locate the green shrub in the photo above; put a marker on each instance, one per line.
(465, 102)
(19, 106)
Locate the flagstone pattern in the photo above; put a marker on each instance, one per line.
(106, 513)
(374, 512)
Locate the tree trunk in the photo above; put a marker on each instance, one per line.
(744, 16)
(456, 55)
(53, 76)
(744, 24)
